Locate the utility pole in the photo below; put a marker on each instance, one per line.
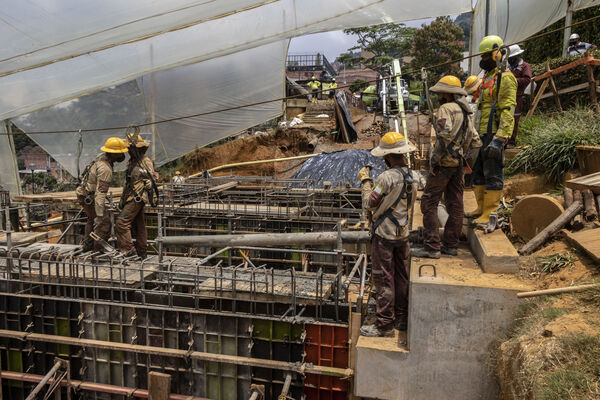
(567, 32)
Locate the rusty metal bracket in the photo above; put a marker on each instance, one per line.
(427, 265)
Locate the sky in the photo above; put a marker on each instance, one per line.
(332, 43)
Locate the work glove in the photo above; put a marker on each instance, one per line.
(494, 149)
(364, 174)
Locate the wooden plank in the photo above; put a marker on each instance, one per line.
(570, 89)
(565, 67)
(588, 241)
(159, 386)
(537, 98)
(591, 182)
(494, 252)
(592, 83)
(553, 87)
(223, 187)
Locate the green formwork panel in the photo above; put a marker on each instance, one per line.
(62, 329)
(297, 256)
(226, 229)
(15, 364)
(277, 331)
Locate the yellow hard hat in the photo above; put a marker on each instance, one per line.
(140, 142)
(114, 145)
(177, 173)
(471, 84)
(492, 43)
(392, 143)
(448, 84)
(313, 77)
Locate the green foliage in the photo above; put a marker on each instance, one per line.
(555, 262)
(385, 42)
(551, 143)
(358, 85)
(464, 22)
(319, 59)
(436, 43)
(41, 180)
(550, 46)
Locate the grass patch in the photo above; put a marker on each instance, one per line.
(551, 142)
(555, 262)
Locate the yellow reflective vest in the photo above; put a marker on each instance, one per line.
(503, 121)
(314, 84)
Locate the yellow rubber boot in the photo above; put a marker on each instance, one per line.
(479, 191)
(491, 201)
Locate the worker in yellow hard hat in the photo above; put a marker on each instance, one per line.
(139, 190)
(389, 199)
(314, 85)
(497, 98)
(332, 87)
(92, 190)
(457, 142)
(471, 85)
(178, 179)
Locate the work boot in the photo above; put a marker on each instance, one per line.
(129, 253)
(479, 193)
(376, 331)
(87, 245)
(491, 201)
(423, 252)
(451, 251)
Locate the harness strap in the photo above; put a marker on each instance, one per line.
(405, 193)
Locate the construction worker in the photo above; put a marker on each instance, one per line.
(178, 179)
(389, 200)
(91, 192)
(522, 72)
(332, 86)
(471, 85)
(314, 85)
(576, 46)
(453, 150)
(497, 98)
(137, 193)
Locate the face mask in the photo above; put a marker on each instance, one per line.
(387, 163)
(487, 64)
(443, 100)
(120, 158)
(513, 61)
(572, 43)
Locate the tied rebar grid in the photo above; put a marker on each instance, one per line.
(178, 282)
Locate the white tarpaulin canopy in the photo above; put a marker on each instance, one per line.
(145, 60)
(515, 21)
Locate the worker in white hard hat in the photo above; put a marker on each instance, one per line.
(523, 73)
(178, 179)
(389, 198)
(576, 46)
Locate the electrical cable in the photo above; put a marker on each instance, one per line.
(408, 72)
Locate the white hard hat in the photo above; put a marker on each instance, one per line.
(574, 37)
(514, 50)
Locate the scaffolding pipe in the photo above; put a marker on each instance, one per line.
(194, 355)
(286, 387)
(93, 387)
(44, 381)
(267, 239)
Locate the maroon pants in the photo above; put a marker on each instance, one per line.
(518, 109)
(447, 181)
(390, 262)
(131, 219)
(98, 225)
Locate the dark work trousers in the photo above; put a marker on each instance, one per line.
(131, 219)
(315, 94)
(99, 225)
(390, 276)
(447, 181)
(488, 171)
(518, 109)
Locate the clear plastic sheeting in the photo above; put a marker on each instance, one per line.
(93, 56)
(199, 88)
(9, 172)
(515, 21)
(339, 168)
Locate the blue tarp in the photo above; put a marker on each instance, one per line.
(339, 168)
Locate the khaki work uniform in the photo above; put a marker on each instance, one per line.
(91, 195)
(448, 179)
(390, 246)
(131, 219)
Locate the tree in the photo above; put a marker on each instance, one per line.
(318, 60)
(437, 43)
(384, 42)
(464, 21)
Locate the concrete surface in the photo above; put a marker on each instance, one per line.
(453, 320)
(494, 252)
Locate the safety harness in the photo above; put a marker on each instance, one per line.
(88, 196)
(405, 193)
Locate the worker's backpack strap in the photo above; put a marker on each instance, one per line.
(451, 148)
(405, 193)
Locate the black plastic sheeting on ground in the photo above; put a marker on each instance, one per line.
(339, 168)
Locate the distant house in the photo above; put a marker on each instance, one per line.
(41, 162)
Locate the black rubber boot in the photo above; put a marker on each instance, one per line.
(424, 253)
(451, 251)
(376, 331)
